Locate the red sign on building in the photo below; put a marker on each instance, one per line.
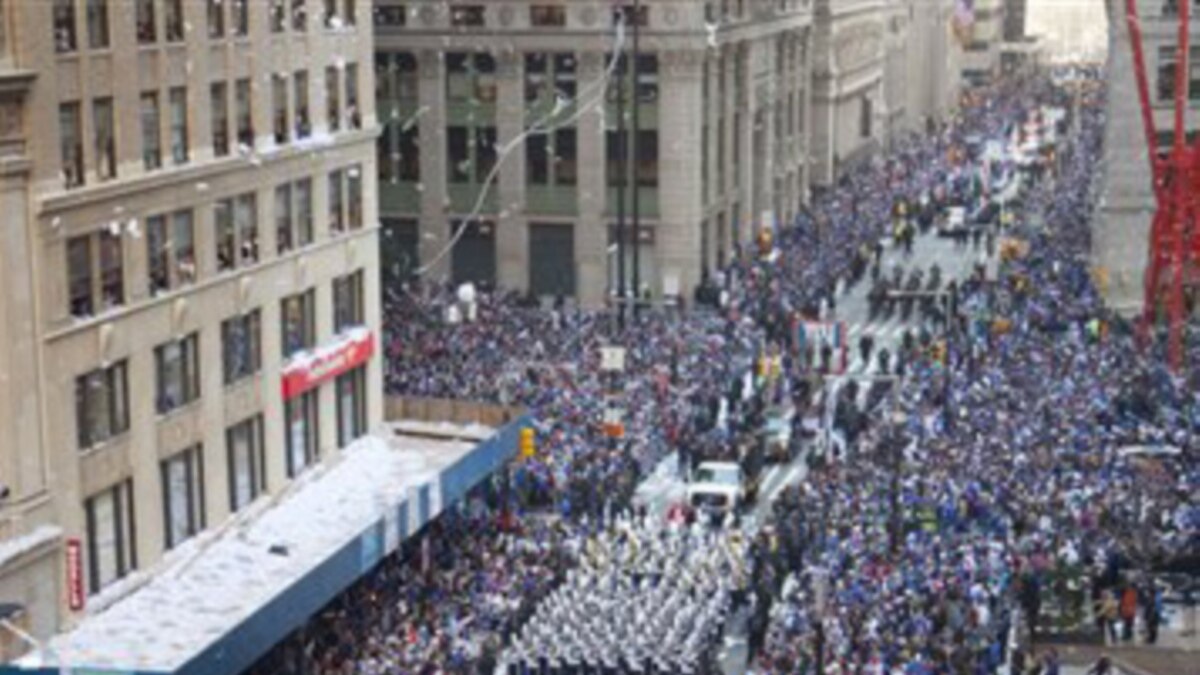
(75, 594)
(325, 363)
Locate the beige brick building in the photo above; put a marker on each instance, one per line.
(188, 266)
(723, 106)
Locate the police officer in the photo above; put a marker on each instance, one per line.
(865, 344)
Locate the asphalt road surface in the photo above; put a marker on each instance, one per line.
(665, 486)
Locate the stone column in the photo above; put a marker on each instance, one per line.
(434, 229)
(591, 230)
(22, 463)
(677, 244)
(512, 235)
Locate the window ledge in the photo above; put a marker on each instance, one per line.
(106, 444)
(180, 410)
(52, 202)
(68, 326)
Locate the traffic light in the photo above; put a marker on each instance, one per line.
(527, 446)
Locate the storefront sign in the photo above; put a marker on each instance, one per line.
(325, 363)
(75, 594)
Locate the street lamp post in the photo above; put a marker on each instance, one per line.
(633, 158)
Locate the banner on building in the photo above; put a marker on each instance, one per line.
(75, 595)
(310, 369)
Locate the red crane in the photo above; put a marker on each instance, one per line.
(1174, 237)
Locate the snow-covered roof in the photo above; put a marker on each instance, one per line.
(212, 583)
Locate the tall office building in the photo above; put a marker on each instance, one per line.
(983, 37)
(722, 101)
(189, 266)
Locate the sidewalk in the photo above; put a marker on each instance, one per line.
(1173, 654)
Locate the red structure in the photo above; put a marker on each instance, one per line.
(1174, 237)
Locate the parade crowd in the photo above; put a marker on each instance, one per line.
(997, 489)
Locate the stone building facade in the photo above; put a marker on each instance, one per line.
(189, 271)
(723, 106)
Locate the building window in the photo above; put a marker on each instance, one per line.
(300, 84)
(64, 26)
(345, 199)
(279, 108)
(304, 212)
(170, 248)
(467, 16)
(547, 16)
(1166, 73)
(111, 537)
(298, 319)
(179, 125)
(243, 112)
(241, 18)
(219, 95)
(354, 195)
(183, 495)
(82, 284)
(350, 13)
(549, 76)
(106, 145)
(337, 220)
(333, 106)
(151, 131)
(97, 24)
(236, 221)
(647, 78)
(112, 270)
(399, 152)
(245, 216)
(626, 13)
(70, 138)
(147, 32)
(353, 116)
(247, 462)
(300, 15)
(300, 416)
(616, 149)
(647, 158)
(407, 78)
(551, 159)
(351, 393)
(177, 365)
(101, 405)
(216, 19)
(283, 218)
(278, 15)
(470, 76)
(174, 20)
(329, 16)
(79, 277)
(458, 154)
(348, 302)
(864, 121)
(391, 16)
(241, 346)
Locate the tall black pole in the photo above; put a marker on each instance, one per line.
(633, 158)
(622, 178)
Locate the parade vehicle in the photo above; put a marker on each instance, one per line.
(776, 433)
(718, 490)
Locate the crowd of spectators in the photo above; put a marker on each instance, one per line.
(1003, 477)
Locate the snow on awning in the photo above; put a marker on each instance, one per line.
(217, 603)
